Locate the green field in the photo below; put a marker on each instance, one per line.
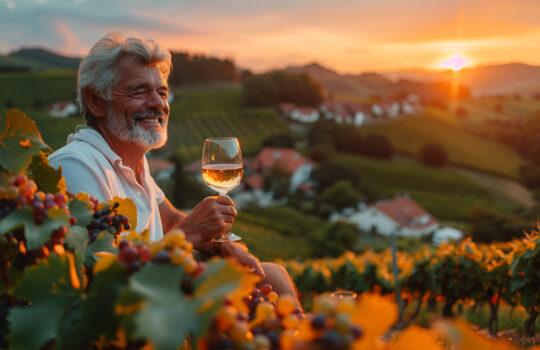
(277, 232)
(29, 89)
(409, 134)
(445, 194)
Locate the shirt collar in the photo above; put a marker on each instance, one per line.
(91, 136)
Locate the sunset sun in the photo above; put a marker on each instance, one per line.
(455, 63)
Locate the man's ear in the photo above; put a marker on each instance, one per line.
(95, 103)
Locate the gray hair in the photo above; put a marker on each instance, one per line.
(98, 68)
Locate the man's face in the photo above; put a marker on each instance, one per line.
(139, 112)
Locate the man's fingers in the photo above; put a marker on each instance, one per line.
(228, 218)
(228, 210)
(225, 200)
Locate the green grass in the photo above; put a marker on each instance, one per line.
(277, 232)
(445, 194)
(409, 134)
(24, 90)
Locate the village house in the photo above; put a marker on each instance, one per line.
(63, 109)
(289, 160)
(401, 216)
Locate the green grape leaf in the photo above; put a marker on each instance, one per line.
(80, 211)
(75, 242)
(19, 142)
(103, 243)
(94, 314)
(47, 178)
(35, 235)
(48, 287)
(76, 239)
(59, 310)
(166, 315)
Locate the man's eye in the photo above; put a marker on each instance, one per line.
(139, 93)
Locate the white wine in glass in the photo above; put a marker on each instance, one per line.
(222, 169)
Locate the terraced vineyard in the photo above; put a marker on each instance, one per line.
(408, 135)
(210, 113)
(277, 232)
(446, 195)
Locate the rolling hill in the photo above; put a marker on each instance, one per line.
(38, 59)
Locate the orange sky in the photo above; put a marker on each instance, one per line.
(346, 35)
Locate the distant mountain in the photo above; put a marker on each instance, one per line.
(368, 85)
(37, 59)
(502, 79)
(334, 82)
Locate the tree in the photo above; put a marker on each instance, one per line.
(278, 86)
(260, 90)
(328, 173)
(341, 195)
(279, 140)
(323, 132)
(321, 152)
(338, 238)
(376, 146)
(433, 154)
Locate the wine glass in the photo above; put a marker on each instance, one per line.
(222, 170)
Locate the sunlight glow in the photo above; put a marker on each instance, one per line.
(455, 62)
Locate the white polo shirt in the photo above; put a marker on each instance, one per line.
(90, 165)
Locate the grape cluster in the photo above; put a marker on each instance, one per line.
(175, 249)
(107, 219)
(20, 192)
(133, 255)
(277, 324)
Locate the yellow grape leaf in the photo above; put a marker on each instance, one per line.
(127, 208)
(375, 314)
(415, 337)
(103, 262)
(143, 237)
(463, 338)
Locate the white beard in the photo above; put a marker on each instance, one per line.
(147, 138)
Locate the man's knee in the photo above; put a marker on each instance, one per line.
(275, 270)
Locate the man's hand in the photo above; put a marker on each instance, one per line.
(212, 217)
(240, 253)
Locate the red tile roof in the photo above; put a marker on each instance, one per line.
(286, 106)
(288, 159)
(406, 212)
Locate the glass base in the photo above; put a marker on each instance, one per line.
(227, 237)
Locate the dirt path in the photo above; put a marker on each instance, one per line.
(505, 190)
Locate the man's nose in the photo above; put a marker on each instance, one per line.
(155, 101)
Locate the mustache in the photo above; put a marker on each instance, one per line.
(146, 114)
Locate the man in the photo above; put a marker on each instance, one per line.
(122, 91)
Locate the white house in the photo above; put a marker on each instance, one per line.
(305, 114)
(63, 109)
(401, 216)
